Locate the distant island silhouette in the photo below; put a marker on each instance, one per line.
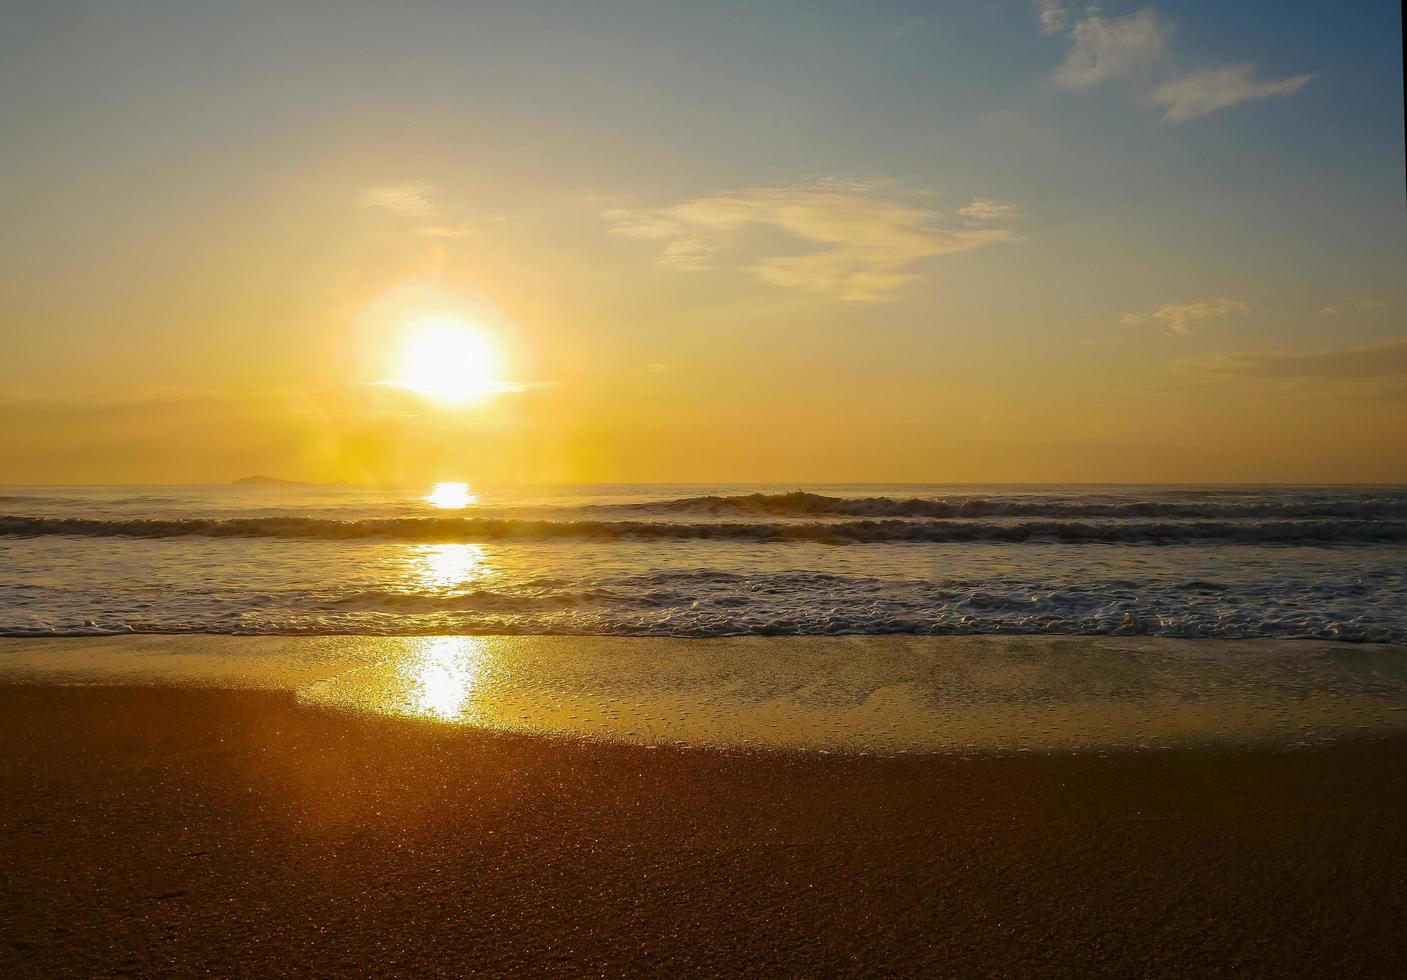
(269, 481)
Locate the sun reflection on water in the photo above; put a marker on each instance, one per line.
(443, 677)
(450, 496)
(444, 566)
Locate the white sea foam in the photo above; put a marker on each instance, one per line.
(470, 529)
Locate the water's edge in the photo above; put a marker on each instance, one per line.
(839, 694)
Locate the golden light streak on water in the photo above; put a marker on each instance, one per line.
(446, 566)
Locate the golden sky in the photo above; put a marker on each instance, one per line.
(703, 242)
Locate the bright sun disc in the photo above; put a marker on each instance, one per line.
(450, 496)
(450, 361)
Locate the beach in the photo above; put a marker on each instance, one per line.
(689, 731)
(153, 825)
(234, 833)
(703, 489)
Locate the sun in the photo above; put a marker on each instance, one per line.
(450, 496)
(450, 361)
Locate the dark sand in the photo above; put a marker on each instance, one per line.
(148, 831)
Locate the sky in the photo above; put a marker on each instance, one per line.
(792, 242)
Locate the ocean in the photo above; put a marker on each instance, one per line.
(705, 561)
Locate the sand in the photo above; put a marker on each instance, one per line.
(867, 694)
(185, 832)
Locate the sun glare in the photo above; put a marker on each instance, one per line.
(444, 677)
(450, 361)
(450, 496)
(447, 566)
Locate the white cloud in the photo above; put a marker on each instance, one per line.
(1207, 91)
(1106, 48)
(1135, 49)
(1053, 15)
(986, 209)
(1179, 317)
(856, 244)
(408, 198)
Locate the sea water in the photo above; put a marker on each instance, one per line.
(697, 561)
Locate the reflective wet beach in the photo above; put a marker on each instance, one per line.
(843, 694)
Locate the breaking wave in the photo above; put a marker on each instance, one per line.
(1355, 506)
(1276, 531)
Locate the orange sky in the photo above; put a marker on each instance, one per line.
(707, 244)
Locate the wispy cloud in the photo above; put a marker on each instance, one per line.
(986, 209)
(1388, 360)
(441, 231)
(409, 199)
(1136, 50)
(1180, 317)
(1207, 91)
(1053, 16)
(1108, 48)
(859, 240)
(1359, 307)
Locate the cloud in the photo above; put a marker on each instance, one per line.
(1107, 48)
(1207, 91)
(123, 400)
(441, 231)
(848, 239)
(1136, 49)
(1053, 15)
(985, 209)
(1179, 317)
(1387, 360)
(409, 199)
(1351, 308)
(412, 200)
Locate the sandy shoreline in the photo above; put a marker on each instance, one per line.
(182, 832)
(866, 694)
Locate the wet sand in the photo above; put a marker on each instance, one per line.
(851, 694)
(158, 831)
